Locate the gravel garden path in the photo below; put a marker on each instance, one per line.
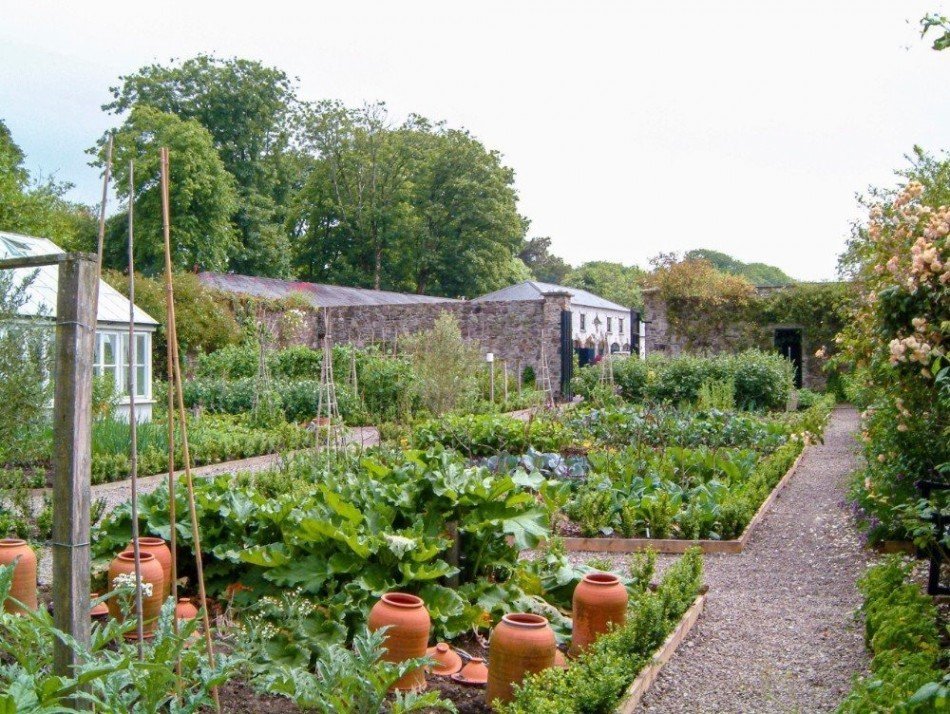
(779, 633)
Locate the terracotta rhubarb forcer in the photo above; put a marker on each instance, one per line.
(185, 609)
(520, 644)
(158, 548)
(599, 600)
(23, 587)
(408, 634)
(151, 572)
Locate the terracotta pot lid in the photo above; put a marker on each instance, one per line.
(100, 610)
(475, 673)
(447, 660)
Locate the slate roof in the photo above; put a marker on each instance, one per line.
(319, 295)
(41, 294)
(534, 289)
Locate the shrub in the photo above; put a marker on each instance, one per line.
(446, 366)
(902, 633)
(762, 380)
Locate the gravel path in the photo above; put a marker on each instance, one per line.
(779, 632)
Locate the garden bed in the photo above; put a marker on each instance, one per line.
(607, 544)
(644, 680)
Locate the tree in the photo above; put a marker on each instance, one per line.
(544, 265)
(361, 177)
(201, 192)
(467, 230)
(39, 207)
(249, 111)
(446, 366)
(759, 274)
(612, 281)
(415, 207)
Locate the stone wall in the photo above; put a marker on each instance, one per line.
(513, 330)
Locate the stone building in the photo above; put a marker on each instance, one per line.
(519, 333)
(598, 325)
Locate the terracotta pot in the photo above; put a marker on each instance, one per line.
(600, 599)
(447, 660)
(23, 587)
(474, 673)
(520, 644)
(151, 573)
(408, 634)
(158, 548)
(98, 612)
(560, 661)
(185, 609)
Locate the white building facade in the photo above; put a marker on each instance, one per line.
(112, 324)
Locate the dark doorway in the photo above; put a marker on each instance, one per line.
(567, 355)
(788, 342)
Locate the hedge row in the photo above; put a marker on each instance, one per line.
(763, 380)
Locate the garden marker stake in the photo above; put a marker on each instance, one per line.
(169, 309)
(186, 455)
(133, 431)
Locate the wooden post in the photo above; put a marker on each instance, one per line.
(72, 455)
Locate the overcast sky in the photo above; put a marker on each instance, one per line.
(633, 127)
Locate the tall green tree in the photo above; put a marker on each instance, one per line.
(467, 229)
(39, 207)
(415, 207)
(201, 192)
(543, 264)
(249, 111)
(613, 281)
(357, 196)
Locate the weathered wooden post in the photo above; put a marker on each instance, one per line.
(72, 454)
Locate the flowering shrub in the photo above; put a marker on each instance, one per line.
(897, 341)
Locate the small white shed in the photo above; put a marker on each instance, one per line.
(112, 322)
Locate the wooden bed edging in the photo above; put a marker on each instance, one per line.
(677, 545)
(648, 674)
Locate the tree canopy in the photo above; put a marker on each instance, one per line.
(36, 207)
(613, 281)
(759, 274)
(201, 193)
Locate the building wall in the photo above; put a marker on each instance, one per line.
(594, 336)
(660, 339)
(513, 330)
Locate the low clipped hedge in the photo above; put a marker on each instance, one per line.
(298, 398)
(597, 680)
(762, 379)
(902, 634)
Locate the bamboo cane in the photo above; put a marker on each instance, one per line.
(133, 426)
(186, 455)
(172, 503)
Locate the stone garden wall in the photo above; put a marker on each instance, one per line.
(513, 330)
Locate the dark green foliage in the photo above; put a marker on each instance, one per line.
(345, 529)
(489, 434)
(901, 632)
(612, 281)
(595, 681)
(762, 380)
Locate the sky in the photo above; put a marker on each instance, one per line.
(633, 127)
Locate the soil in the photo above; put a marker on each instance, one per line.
(467, 699)
(239, 698)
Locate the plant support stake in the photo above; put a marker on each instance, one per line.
(186, 455)
(133, 427)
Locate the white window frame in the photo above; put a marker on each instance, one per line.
(583, 321)
(610, 322)
(119, 364)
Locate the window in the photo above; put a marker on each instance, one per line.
(112, 360)
(620, 324)
(583, 322)
(610, 321)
